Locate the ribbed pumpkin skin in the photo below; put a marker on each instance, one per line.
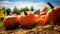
(27, 20)
(11, 22)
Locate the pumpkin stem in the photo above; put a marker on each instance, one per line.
(25, 13)
(50, 5)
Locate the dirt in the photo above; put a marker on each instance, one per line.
(35, 30)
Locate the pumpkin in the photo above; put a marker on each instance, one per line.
(27, 20)
(53, 15)
(43, 11)
(37, 18)
(42, 16)
(43, 20)
(11, 22)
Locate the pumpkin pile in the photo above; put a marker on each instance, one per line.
(51, 16)
(29, 19)
(25, 20)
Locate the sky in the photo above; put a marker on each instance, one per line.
(37, 4)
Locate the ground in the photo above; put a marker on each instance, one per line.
(48, 29)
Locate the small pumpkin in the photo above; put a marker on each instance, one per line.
(11, 22)
(43, 11)
(42, 16)
(37, 18)
(26, 20)
(43, 19)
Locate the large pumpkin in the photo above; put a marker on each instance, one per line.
(53, 15)
(11, 22)
(26, 20)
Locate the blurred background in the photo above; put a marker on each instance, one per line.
(16, 5)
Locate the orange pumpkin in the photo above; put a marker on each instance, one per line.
(26, 20)
(43, 11)
(53, 15)
(37, 18)
(11, 22)
(42, 16)
(43, 20)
